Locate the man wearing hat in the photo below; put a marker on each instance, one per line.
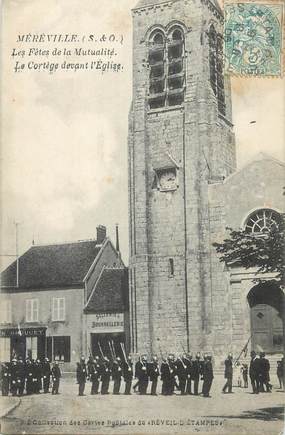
(117, 375)
(21, 377)
(14, 376)
(105, 375)
(153, 372)
(254, 372)
(128, 374)
(46, 372)
(56, 375)
(142, 374)
(29, 377)
(196, 372)
(264, 373)
(81, 375)
(208, 376)
(188, 362)
(228, 374)
(5, 378)
(182, 373)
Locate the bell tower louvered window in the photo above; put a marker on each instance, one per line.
(216, 68)
(167, 76)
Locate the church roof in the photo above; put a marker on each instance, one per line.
(145, 3)
(259, 157)
(47, 266)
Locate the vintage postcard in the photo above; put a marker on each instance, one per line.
(142, 217)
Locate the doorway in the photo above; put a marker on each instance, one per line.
(266, 303)
(18, 346)
(107, 342)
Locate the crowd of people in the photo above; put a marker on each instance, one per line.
(30, 376)
(258, 372)
(180, 373)
(185, 374)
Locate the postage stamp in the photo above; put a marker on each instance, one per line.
(253, 39)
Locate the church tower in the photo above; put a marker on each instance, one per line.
(180, 140)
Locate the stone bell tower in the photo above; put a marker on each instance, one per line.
(180, 140)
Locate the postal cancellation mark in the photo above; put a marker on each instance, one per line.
(253, 39)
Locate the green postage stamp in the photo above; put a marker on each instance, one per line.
(253, 39)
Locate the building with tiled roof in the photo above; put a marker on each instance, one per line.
(48, 266)
(53, 294)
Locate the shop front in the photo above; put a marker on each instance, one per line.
(106, 333)
(22, 342)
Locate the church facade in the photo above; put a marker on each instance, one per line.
(185, 189)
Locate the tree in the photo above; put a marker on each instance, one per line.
(266, 251)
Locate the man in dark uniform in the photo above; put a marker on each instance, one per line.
(14, 373)
(36, 369)
(128, 374)
(94, 375)
(117, 375)
(196, 372)
(105, 375)
(81, 375)
(168, 376)
(21, 377)
(5, 378)
(264, 373)
(34, 372)
(153, 373)
(187, 359)
(29, 377)
(142, 375)
(254, 372)
(56, 375)
(137, 369)
(181, 372)
(46, 371)
(208, 376)
(173, 373)
(90, 362)
(228, 374)
(164, 376)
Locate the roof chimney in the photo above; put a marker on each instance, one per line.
(117, 238)
(101, 234)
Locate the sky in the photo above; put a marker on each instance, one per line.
(64, 135)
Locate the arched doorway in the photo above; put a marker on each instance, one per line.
(267, 303)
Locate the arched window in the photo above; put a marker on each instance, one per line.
(262, 221)
(166, 60)
(156, 59)
(158, 39)
(216, 67)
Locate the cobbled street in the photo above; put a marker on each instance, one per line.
(237, 413)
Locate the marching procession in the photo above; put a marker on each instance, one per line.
(31, 376)
(181, 374)
(185, 374)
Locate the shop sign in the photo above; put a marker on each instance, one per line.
(106, 322)
(25, 332)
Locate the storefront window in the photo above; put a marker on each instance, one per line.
(58, 348)
(32, 347)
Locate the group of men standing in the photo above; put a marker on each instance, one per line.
(259, 373)
(182, 373)
(100, 371)
(259, 370)
(30, 376)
